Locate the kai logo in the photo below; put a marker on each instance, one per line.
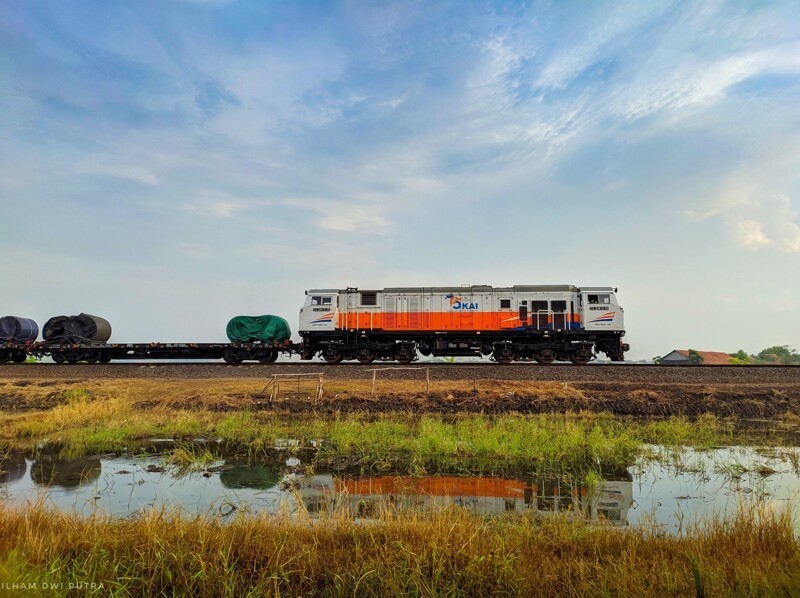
(457, 302)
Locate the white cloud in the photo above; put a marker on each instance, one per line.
(220, 204)
(610, 30)
(344, 216)
(750, 234)
(776, 225)
(768, 223)
(689, 83)
(131, 172)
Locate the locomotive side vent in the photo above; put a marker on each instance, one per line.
(369, 298)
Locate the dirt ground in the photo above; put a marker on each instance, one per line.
(753, 400)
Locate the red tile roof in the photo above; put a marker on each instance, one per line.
(709, 357)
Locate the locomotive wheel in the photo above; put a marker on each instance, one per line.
(19, 357)
(72, 357)
(545, 356)
(405, 354)
(365, 356)
(92, 357)
(4, 356)
(333, 356)
(58, 357)
(270, 357)
(581, 357)
(104, 358)
(504, 356)
(232, 359)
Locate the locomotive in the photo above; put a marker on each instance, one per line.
(523, 322)
(520, 323)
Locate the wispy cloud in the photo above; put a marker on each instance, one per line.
(132, 172)
(344, 216)
(220, 204)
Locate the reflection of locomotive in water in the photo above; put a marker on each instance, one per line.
(366, 497)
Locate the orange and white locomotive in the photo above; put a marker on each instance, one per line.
(541, 323)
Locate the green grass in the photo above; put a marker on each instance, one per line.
(394, 441)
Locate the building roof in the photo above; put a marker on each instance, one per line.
(709, 357)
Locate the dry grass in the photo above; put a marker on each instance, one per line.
(446, 553)
(26, 394)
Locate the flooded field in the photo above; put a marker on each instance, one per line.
(207, 487)
(668, 487)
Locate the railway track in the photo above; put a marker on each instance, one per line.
(622, 373)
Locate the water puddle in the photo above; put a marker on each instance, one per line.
(673, 490)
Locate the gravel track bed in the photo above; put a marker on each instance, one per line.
(559, 373)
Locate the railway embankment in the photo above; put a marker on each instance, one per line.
(612, 373)
(417, 392)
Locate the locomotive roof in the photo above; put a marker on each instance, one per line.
(476, 288)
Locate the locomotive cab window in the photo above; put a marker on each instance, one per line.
(505, 303)
(604, 299)
(327, 300)
(558, 305)
(316, 300)
(538, 305)
(319, 300)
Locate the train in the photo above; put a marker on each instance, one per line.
(542, 324)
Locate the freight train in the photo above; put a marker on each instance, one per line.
(521, 323)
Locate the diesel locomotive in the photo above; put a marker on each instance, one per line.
(539, 323)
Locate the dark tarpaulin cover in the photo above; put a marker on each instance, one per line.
(76, 329)
(18, 330)
(251, 329)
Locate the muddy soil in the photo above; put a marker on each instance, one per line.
(625, 398)
(747, 402)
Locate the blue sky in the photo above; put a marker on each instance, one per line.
(170, 164)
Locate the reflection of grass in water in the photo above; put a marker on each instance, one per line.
(444, 552)
(742, 470)
(190, 458)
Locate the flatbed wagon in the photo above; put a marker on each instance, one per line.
(106, 352)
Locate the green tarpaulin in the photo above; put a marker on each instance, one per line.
(252, 329)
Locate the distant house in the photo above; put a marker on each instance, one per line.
(682, 357)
